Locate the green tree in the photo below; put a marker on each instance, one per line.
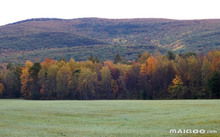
(171, 55)
(94, 59)
(118, 59)
(34, 81)
(12, 80)
(214, 85)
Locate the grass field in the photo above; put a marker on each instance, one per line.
(25, 118)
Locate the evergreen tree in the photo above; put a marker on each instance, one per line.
(214, 85)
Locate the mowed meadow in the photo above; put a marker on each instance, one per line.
(121, 118)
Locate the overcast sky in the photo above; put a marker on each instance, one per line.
(15, 10)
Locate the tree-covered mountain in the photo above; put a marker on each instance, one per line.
(37, 39)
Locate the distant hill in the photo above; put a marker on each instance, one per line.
(36, 39)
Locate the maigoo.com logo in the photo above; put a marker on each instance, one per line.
(192, 131)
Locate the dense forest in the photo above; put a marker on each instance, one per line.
(150, 76)
(40, 38)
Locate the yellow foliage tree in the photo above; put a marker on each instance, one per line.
(176, 89)
(177, 81)
(214, 58)
(150, 66)
(25, 78)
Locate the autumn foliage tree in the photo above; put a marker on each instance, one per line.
(176, 89)
(25, 79)
(2, 88)
(151, 76)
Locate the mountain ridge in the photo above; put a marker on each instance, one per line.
(129, 36)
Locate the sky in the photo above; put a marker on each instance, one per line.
(16, 10)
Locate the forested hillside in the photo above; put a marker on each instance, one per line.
(37, 39)
(171, 76)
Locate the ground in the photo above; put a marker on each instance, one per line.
(128, 118)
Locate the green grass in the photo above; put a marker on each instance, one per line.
(130, 118)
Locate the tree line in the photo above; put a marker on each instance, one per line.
(171, 76)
